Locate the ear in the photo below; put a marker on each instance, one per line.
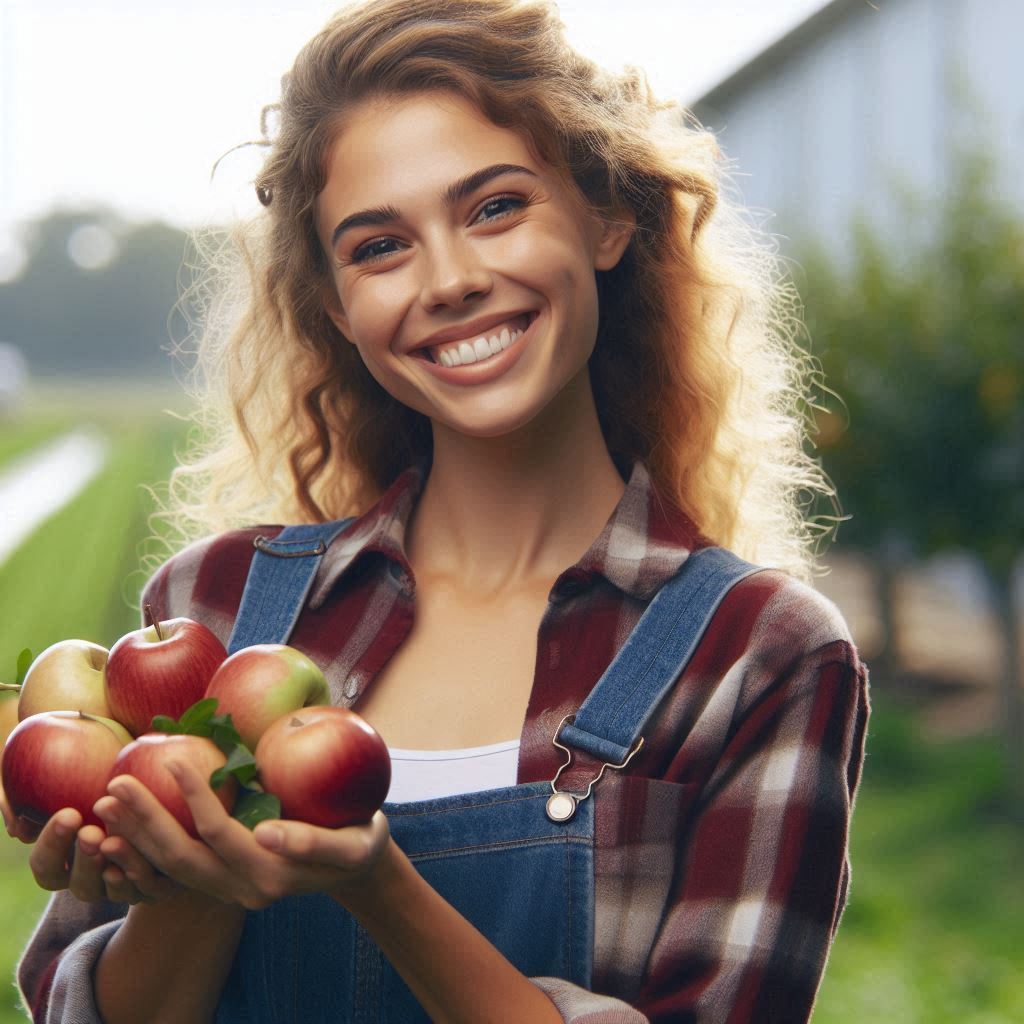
(616, 233)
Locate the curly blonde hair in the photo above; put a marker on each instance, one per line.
(696, 370)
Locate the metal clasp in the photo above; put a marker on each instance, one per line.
(561, 805)
(265, 544)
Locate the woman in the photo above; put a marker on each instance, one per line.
(496, 310)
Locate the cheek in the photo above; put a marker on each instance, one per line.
(374, 309)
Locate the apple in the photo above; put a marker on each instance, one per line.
(327, 766)
(146, 758)
(162, 669)
(259, 684)
(60, 759)
(68, 676)
(8, 717)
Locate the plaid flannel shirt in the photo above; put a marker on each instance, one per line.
(718, 891)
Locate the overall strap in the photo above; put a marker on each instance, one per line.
(653, 656)
(279, 581)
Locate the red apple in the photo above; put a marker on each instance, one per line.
(327, 766)
(60, 759)
(160, 671)
(259, 684)
(147, 757)
(67, 676)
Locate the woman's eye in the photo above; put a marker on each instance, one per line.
(375, 249)
(499, 206)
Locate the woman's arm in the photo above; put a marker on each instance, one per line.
(455, 972)
(168, 962)
(762, 871)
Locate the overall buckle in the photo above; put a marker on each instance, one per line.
(561, 805)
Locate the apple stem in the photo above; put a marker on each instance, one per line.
(151, 619)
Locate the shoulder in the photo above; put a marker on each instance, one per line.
(787, 607)
(205, 580)
(772, 626)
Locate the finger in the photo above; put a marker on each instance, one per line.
(85, 880)
(50, 859)
(137, 816)
(215, 826)
(353, 848)
(135, 870)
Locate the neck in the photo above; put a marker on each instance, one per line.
(497, 513)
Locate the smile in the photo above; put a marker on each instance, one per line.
(479, 348)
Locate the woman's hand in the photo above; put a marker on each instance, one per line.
(228, 861)
(66, 855)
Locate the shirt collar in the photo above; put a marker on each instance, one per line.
(643, 544)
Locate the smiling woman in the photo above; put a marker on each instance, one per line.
(477, 237)
(516, 375)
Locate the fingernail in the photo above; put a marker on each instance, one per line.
(119, 790)
(270, 836)
(62, 830)
(174, 767)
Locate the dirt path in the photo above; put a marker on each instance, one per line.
(38, 484)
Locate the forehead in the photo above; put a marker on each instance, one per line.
(398, 150)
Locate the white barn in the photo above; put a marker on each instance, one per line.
(867, 99)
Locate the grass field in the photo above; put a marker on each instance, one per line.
(77, 575)
(935, 925)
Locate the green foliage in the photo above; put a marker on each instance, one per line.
(927, 356)
(201, 719)
(935, 921)
(110, 319)
(65, 580)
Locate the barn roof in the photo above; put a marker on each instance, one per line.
(801, 37)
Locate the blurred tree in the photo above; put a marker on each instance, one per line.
(95, 294)
(927, 442)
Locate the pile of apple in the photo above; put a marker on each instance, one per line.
(259, 723)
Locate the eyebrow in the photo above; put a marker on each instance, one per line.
(452, 194)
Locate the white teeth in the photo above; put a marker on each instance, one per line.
(474, 352)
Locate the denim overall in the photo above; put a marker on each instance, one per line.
(517, 862)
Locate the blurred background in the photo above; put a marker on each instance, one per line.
(880, 141)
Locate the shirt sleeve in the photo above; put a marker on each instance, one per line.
(55, 971)
(763, 871)
(580, 1006)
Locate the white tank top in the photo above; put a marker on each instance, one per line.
(427, 774)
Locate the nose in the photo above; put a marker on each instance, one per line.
(453, 274)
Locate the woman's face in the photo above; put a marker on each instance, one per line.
(463, 266)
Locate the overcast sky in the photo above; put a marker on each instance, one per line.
(129, 103)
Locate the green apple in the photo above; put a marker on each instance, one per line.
(259, 684)
(69, 675)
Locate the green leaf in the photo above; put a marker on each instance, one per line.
(195, 720)
(254, 807)
(24, 661)
(240, 763)
(223, 732)
(164, 723)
